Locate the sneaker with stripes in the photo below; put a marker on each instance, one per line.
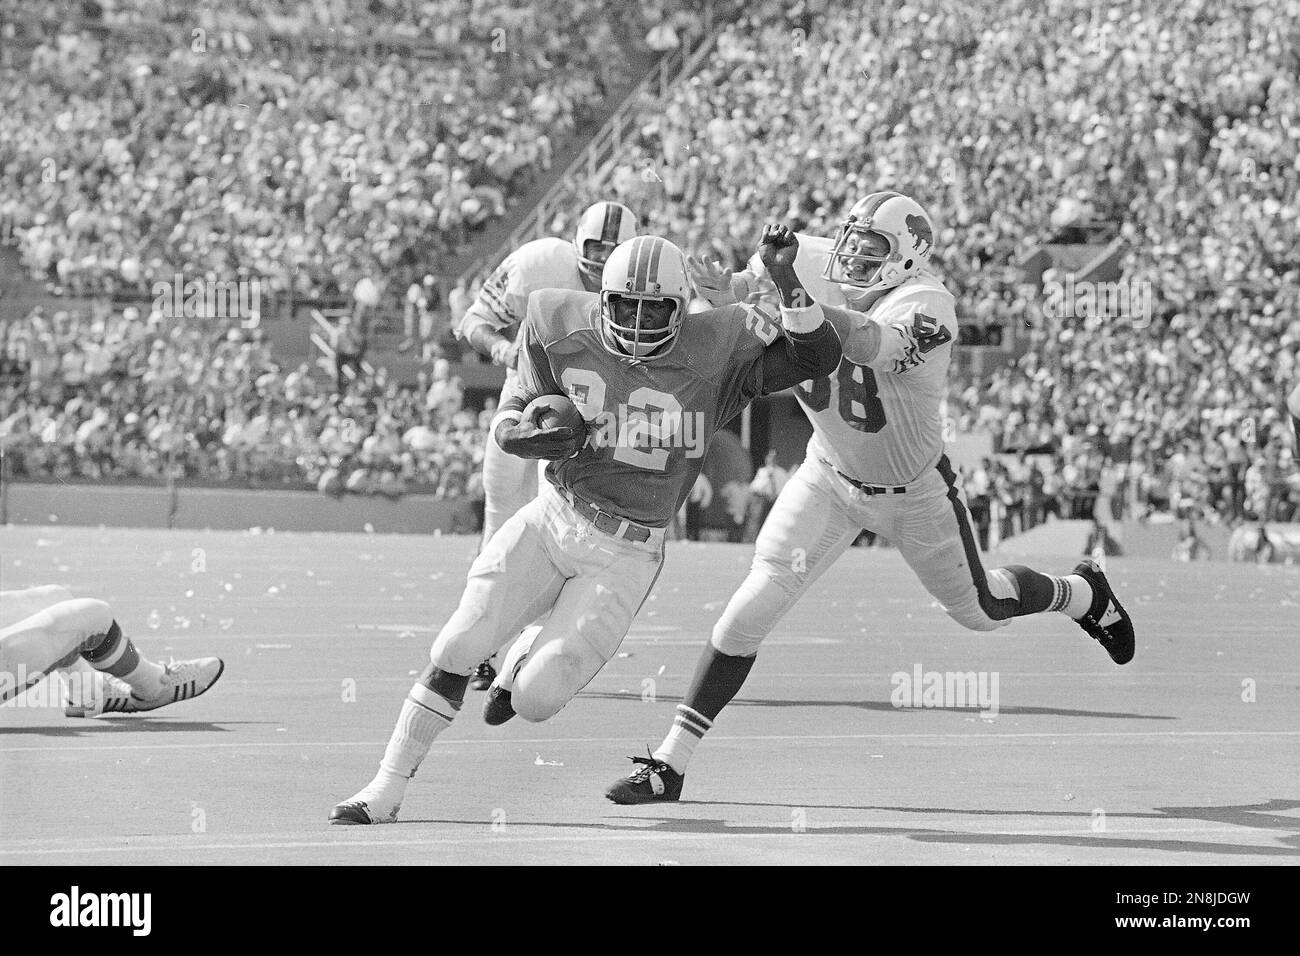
(181, 680)
(653, 781)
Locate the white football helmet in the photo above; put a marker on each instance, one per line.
(886, 239)
(601, 227)
(644, 292)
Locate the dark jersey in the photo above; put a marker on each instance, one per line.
(650, 421)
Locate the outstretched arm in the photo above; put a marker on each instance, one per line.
(810, 347)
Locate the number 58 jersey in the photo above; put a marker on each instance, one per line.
(877, 418)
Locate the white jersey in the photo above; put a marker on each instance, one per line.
(547, 263)
(877, 418)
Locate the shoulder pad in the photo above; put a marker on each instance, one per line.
(548, 263)
(556, 314)
(922, 293)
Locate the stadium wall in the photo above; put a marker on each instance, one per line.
(122, 506)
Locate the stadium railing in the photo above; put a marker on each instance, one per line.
(603, 149)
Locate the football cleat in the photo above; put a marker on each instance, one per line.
(1106, 621)
(356, 813)
(483, 677)
(377, 802)
(106, 694)
(497, 708)
(652, 782)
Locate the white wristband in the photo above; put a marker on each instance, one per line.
(806, 319)
(506, 415)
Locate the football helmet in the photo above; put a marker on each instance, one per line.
(601, 227)
(886, 239)
(644, 292)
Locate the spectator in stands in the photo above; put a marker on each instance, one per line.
(349, 348)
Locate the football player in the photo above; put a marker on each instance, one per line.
(875, 462)
(44, 628)
(491, 326)
(653, 384)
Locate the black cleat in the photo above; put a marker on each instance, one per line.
(351, 814)
(653, 782)
(483, 677)
(1106, 621)
(497, 708)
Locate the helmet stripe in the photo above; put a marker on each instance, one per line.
(641, 259)
(613, 219)
(656, 250)
(880, 199)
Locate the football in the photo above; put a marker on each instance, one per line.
(559, 412)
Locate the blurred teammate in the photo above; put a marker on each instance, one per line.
(875, 462)
(44, 628)
(491, 326)
(653, 384)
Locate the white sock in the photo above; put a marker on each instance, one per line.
(1079, 596)
(513, 659)
(424, 716)
(689, 728)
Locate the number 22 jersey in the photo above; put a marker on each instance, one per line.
(650, 421)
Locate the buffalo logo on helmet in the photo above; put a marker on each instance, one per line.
(919, 227)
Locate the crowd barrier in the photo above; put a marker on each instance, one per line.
(134, 506)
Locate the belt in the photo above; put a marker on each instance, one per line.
(869, 489)
(604, 521)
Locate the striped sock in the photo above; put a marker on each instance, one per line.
(689, 728)
(425, 714)
(1071, 595)
(113, 653)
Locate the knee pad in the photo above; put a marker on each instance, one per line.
(49, 594)
(549, 681)
(82, 616)
(752, 612)
(973, 618)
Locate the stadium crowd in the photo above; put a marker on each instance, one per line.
(1011, 121)
(133, 155)
(120, 395)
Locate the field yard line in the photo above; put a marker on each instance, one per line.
(1002, 674)
(964, 738)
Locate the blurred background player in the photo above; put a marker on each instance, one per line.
(590, 546)
(875, 462)
(44, 628)
(491, 326)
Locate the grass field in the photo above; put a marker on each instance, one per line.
(1161, 761)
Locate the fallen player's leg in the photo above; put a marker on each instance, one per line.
(57, 630)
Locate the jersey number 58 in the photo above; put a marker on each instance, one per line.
(860, 405)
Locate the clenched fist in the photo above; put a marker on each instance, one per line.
(777, 248)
